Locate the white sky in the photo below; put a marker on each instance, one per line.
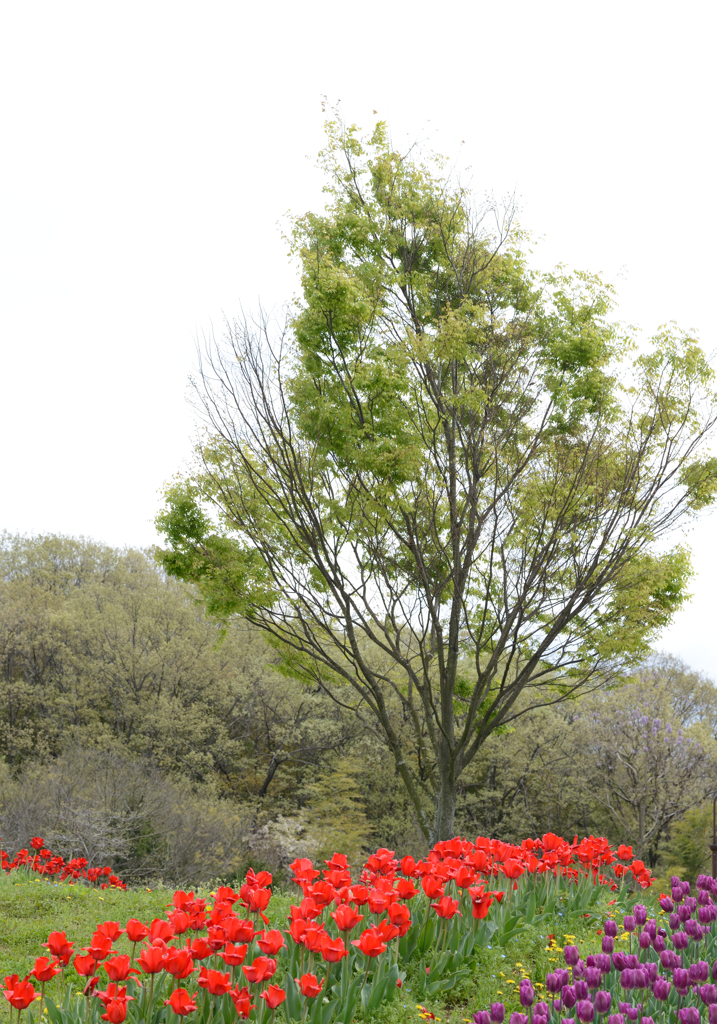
(150, 150)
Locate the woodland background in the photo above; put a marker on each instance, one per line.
(136, 731)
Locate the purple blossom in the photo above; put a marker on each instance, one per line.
(585, 1011)
(497, 1013)
(603, 1001)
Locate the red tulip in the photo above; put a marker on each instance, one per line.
(84, 965)
(258, 900)
(101, 946)
(406, 889)
(377, 902)
(446, 907)
(45, 969)
(274, 996)
(313, 937)
(464, 876)
(181, 1002)
(346, 917)
(432, 886)
(238, 930)
(152, 959)
(216, 983)
(400, 916)
(179, 919)
(111, 929)
(233, 955)
(199, 949)
(178, 962)
(114, 992)
(370, 942)
(59, 946)
(136, 931)
(297, 929)
(118, 968)
(512, 869)
(262, 968)
(115, 1011)
(242, 1001)
(309, 908)
(386, 930)
(18, 993)
(161, 929)
(271, 942)
(333, 950)
(359, 895)
(309, 986)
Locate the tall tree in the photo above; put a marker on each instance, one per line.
(447, 478)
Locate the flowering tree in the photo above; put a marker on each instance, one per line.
(444, 479)
(640, 756)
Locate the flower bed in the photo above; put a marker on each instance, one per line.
(347, 943)
(47, 864)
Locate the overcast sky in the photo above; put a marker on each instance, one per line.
(150, 151)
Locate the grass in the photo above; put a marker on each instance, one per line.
(30, 908)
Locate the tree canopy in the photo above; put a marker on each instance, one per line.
(447, 480)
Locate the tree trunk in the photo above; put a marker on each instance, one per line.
(445, 811)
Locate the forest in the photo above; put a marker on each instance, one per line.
(137, 730)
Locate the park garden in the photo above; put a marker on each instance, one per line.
(408, 594)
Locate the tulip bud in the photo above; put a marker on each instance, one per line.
(526, 993)
(497, 1013)
(572, 955)
(629, 923)
(585, 1011)
(608, 944)
(667, 905)
(712, 1013)
(644, 940)
(569, 997)
(617, 1018)
(611, 929)
(661, 988)
(552, 984)
(640, 912)
(658, 944)
(481, 1017)
(581, 989)
(603, 1001)
(689, 1015)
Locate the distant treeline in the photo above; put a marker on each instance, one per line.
(135, 730)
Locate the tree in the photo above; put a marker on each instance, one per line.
(647, 754)
(446, 478)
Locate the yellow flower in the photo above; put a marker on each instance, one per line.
(625, 936)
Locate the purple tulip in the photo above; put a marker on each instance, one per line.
(650, 970)
(685, 888)
(640, 912)
(608, 944)
(712, 1013)
(693, 929)
(481, 1017)
(540, 1018)
(585, 1011)
(563, 974)
(627, 978)
(569, 997)
(603, 1001)
(633, 961)
(611, 928)
(680, 940)
(604, 963)
(689, 1015)
(645, 940)
(497, 1013)
(661, 988)
(648, 1020)
(651, 927)
(579, 969)
(691, 904)
(526, 993)
(714, 970)
(640, 976)
(708, 994)
(674, 922)
(553, 984)
(675, 881)
(702, 970)
(616, 1018)
(677, 893)
(581, 988)
(629, 923)
(667, 905)
(518, 1018)
(633, 1012)
(658, 944)
(619, 960)
(703, 898)
(572, 955)
(541, 1007)
(593, 978)
(681, 979)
